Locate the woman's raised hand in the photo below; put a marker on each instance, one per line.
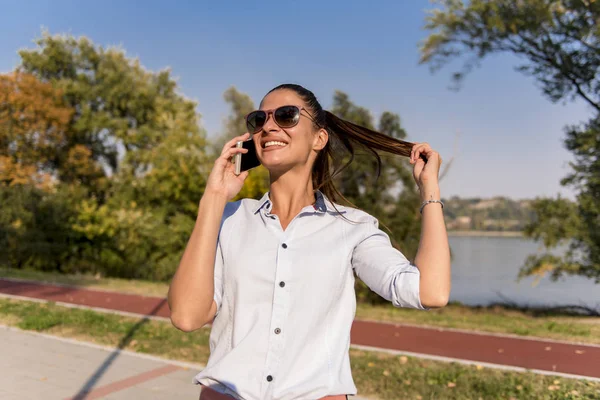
(222, 179)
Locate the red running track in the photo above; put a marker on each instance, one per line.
(510, 351)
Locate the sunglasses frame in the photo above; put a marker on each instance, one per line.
(271, 113)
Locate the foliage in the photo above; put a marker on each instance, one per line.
(122, 111)
(560, 43)
(34, 227)
(127, 155)
(33, 118)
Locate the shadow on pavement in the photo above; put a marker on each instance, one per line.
(92, 380)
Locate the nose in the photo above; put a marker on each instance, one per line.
(270, 125)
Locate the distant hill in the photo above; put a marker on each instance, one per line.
(495, 214)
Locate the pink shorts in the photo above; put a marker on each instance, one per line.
(210, 394)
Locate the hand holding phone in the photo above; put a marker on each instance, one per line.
(222, 179)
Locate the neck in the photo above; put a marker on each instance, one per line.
(291, 192)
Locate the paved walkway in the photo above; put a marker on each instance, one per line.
(538, 355)
(35, 366)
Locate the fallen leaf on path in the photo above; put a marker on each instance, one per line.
(548, 348)
(579, 351)
(43, 379)
(500, 350)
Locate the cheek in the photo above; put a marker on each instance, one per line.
(303, 138)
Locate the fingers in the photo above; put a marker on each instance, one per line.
(230, 152)
(417, 150)
(233, 142)
(423, 150)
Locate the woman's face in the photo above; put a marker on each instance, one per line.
(279, 149)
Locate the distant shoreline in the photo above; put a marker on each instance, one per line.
(486, 233)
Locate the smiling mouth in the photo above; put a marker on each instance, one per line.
(274, 144)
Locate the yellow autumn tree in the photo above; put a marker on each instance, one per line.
(33, 117)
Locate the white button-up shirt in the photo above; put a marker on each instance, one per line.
(286, 301)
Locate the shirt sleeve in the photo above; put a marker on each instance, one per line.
(218, 275)
(386, 270)
(224, 231)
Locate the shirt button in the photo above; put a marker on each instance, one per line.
(284, 246)
(282, 284)
(277, 331)
(269, 378)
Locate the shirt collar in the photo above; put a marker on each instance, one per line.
(322, 203)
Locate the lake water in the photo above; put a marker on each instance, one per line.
(485, 269)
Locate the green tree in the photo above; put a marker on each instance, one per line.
(388, 194)
(122, 111)
(131, 126)
(560, 43)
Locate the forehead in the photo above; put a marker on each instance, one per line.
(280, 98)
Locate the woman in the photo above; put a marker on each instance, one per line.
(276, 275)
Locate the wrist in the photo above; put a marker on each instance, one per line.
(214, 196)
(213, 202)
(430, 192)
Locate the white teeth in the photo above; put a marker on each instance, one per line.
(268, 144)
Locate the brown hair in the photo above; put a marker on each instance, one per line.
(344, 138)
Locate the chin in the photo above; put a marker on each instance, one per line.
(277, 166)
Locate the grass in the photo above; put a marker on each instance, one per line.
(377, 375)
(141, 335)
(497, 319)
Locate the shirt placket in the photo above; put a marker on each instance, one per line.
(281, 302)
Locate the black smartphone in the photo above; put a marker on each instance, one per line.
(249, 160)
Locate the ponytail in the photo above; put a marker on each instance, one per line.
(344, 138)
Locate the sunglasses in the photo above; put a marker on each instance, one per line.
(284, 117)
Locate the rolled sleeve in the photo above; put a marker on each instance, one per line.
(385, 270)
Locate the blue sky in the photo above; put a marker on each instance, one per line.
(509, 136)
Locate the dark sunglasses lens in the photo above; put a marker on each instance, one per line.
(255, 121)
(287, 116)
